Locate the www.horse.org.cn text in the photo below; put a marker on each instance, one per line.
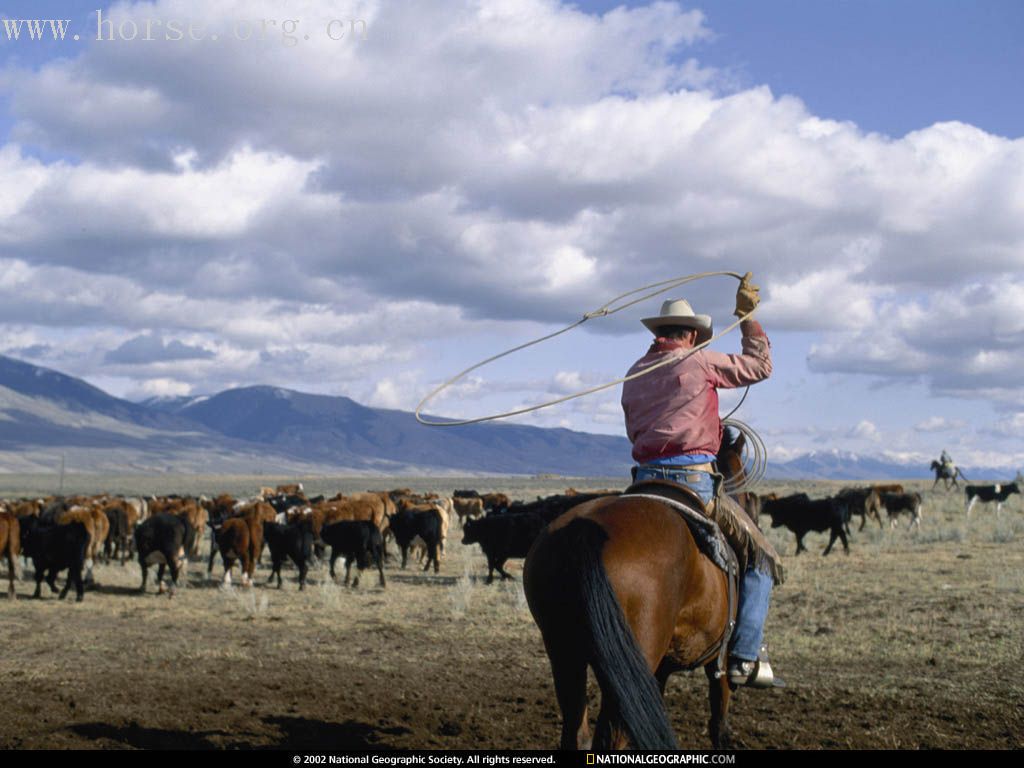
(108, 29)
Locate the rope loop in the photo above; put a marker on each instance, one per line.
(605, 310)
(755, 464)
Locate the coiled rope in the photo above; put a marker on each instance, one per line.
(755, 458)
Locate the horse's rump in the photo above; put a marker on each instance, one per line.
(663, 603)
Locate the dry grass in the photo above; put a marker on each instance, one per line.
(912, 640)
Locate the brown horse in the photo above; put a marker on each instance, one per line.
(618, 584)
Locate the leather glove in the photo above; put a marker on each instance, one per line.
(747, 296)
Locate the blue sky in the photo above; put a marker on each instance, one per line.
(888, 65)
(366, 218)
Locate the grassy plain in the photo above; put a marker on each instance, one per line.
(913, 640)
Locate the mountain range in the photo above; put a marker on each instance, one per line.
(47, 417)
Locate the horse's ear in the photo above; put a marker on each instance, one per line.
(741, 440)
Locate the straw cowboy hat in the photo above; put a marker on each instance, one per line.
(679, 312)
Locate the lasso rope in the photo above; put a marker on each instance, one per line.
(602, 311)
(758, 463)
(755, 466)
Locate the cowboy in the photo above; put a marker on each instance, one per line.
(672, 420)
(947, 461)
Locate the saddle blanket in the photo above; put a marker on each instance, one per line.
(709, 537)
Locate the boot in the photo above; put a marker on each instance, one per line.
(754, 674)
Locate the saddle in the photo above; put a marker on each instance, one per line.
(710, 541)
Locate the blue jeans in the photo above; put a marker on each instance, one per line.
(700, 482)
(755, 587)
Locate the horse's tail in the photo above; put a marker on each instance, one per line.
(618, 663)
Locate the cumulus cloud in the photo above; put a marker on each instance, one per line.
(151, 348)
(939, 424)
(865, 430)
(1012, 426)
(336, 206)
(963, 339)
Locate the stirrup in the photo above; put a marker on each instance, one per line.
(755, 674)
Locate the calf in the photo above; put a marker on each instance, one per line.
(293, 541)
(407, 524)
(164, 540)
(502, 537)
(897, 503)
(988, 493)
(10, 546)
(800, 514)
(359, 541)
(53, 548)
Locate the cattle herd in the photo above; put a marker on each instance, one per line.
(73, 533)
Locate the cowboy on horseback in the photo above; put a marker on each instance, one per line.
(672, 420)
(946, 471)
(947, 463)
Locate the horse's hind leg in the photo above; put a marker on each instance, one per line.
(719, 695)
(570, 673)
(609, 733)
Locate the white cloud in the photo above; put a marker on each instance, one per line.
(866, 430)
(939, 424)
(475, 163)
(161, 388)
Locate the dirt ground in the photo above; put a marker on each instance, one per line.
(913, 640)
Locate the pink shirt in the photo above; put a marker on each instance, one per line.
(674, 410)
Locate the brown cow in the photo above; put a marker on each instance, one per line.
(495, 501)
(255, 514)
(101, 525)
(25, 507)
(235, 543)
(467, 508)
(371, 508)
(10, 546)
(890, 488)
(197, 517)
(292, 489)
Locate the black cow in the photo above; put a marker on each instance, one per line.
(801, 514)
(53, 548)
(426, 524)
(988, 493)
(502, 537)
(550, 507)
(356, 540)
(286, 502)
(118, 543)
(163, 540)
(897, 503)
(293, 541)
(860, 501)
